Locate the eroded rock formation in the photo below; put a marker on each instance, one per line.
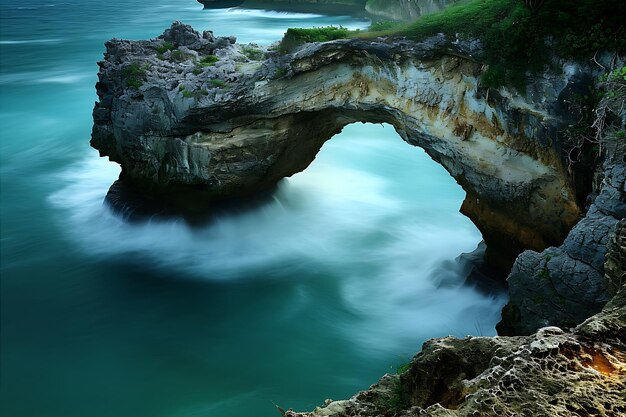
(178, 123)
(565, 285)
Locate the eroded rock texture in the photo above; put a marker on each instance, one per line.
(178, 123)
(564, 285)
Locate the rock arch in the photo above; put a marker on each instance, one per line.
(271, 122)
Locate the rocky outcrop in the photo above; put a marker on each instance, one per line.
(562, 286)
(551, 373)
(182, 122)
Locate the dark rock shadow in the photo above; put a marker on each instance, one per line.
(472, 270)
(134, 204)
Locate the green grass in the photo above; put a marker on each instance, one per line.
(295, 37)
(253, 54)
(393, 403)
(134, 74)
(179, 56)
(400, 369)
(386, 25)
(513, 37)
(218, 83)
(208, 60)
(192, 94)
(164, 47)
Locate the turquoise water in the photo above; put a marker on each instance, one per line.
(314, 295)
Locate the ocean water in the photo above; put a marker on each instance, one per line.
(336, 280)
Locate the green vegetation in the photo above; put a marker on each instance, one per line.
(295, 37)
(179, 56)
(253, 54)
(609, 112)
(280, 73)
(134, 74)
(392, 403)
(164, 47)
(385, 25)
(192, 94)
(218, 83)
(400, 369)
(208, 60)
(514, 36)
(600, 114)
(517, 39)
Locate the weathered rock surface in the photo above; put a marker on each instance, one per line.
(551, 373)
(236, 127)
(563, 286)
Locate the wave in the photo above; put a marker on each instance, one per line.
(30, 41)
(333, 216)
(43, 77)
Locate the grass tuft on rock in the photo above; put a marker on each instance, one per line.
(295, 37)
(134, 74)
(164, 47)
(218, 83)
(208, 60)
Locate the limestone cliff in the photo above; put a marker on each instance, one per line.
(330, 7)
(180, 125)
(401, 10)
(564, 285)
(406, 10)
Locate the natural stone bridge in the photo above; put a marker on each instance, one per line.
(180, 126)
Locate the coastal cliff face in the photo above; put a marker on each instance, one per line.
(564, 285)
(405, 10)
(237, 126)
(332, 7)
(400, 10)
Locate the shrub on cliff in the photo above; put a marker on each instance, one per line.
(518, 39)
(295, 37)
(134, 74)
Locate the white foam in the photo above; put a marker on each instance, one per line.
(30, 41)
(331, 215)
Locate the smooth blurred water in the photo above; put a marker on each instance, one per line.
(314, 295)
